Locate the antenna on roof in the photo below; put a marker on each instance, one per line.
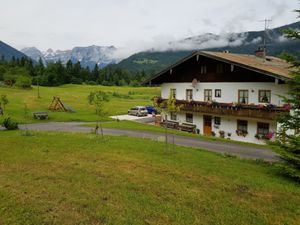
(262, 50)
(266, 21)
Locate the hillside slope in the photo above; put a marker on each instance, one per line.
(246, 43)
(8, 52)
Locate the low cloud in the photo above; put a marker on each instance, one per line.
(168, 43)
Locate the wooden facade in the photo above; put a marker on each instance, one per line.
(223, 67)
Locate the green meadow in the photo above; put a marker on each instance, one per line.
(75, 96)
(62, 178)
(66, 178)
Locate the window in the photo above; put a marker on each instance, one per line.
(189, 94)
(263, 128)
(173, 93)
(189, 118)
(219, 68)
(207, 95)
(231, 68)
(218, 93)
(203, 70)
(264, 96)
(173, 116)
(243, 96)
(242, 125)
(217, 120)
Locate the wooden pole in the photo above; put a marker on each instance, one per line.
(38, 87)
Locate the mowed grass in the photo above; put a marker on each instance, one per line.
(75, 96)
(60, 178)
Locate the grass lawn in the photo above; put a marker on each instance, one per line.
(62, 178)
(132, 125)
(75, 96)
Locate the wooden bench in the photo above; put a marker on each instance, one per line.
(40, 115)
(170, 124)
(187, 127)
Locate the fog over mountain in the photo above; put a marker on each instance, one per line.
(245, 42)
(161, 56)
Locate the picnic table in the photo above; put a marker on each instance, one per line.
(40, 115)
(187, 127)
(169, 124)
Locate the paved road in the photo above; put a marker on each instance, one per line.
(243, 151)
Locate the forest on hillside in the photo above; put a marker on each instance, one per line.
(23, 72)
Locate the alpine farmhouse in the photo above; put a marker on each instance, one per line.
(233, 96)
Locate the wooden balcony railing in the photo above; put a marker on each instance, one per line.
(267, 112)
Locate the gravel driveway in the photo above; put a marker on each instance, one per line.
(243, 151)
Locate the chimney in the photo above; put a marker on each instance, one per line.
(261, 52)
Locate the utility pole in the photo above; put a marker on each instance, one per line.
(266, 21)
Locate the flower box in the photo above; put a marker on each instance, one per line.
(241, 133)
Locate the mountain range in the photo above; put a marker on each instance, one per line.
(156, 59)
(87, 56)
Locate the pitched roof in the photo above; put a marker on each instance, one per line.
(271, 66)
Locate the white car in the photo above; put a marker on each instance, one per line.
(138, 111)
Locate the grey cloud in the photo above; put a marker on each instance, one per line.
(135, 25)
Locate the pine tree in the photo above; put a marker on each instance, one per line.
(94, 74)
(289, 145)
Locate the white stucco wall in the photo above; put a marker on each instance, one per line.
(228, 125)
(229, 91)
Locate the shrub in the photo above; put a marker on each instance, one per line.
(222, 133)
(9, 124)
(75, 80)
(23, 82)
(90, 83)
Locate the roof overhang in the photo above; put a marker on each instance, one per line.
(221, 59)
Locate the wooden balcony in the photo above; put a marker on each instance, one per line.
(266, 112)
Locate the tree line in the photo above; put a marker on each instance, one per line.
(24, 71)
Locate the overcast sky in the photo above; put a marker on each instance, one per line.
(131, 24)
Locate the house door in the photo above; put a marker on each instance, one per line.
(207, 125)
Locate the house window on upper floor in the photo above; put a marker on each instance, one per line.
(203, 70)
(217, 120)
(173, 116)
(218, 93)
(189, 118)
(264, 96)
(207, 95)
(231, 68)
(173, 93)
(243, 96)
(242, 126)
(189, 94)
(219, 68)
(263, 128)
